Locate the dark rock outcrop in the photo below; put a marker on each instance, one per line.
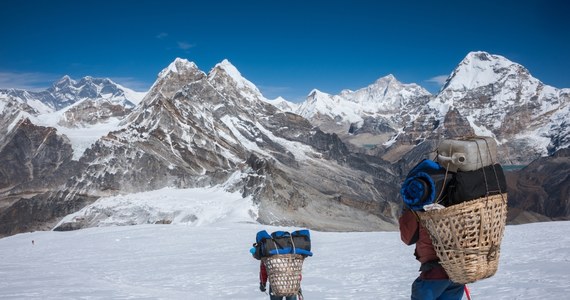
(541, 188)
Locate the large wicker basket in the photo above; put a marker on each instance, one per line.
(467, 236)
(284, 272)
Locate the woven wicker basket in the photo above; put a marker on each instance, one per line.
(284, 272)
(467, 236)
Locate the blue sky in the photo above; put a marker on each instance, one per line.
(286, 48)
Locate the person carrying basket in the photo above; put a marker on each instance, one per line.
(433, 283)
(424, 181)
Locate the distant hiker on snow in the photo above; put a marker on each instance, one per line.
(281, 256)
(263, 285)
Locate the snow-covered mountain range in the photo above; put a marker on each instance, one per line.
(485, 95)
(197, 129)
(67, 91)
(307, 164)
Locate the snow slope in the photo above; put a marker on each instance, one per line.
(211, 260)
(81, 138)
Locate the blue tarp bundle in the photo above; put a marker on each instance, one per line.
(282, 242)
(419, 188)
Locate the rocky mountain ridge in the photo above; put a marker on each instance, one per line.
(194, 129)
(197, 129)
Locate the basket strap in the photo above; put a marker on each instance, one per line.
(493, 250)
(439, 198)
(494, 169)
(275, 244)
(497, 179)
(480, 158)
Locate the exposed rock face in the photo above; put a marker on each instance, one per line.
(455, 125)
(91, 112)
(29, 157)
(195, 129)
(34, 160)
(541, 191)
(40, 212)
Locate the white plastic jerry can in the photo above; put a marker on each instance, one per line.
(468, 153)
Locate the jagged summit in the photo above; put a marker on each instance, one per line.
(227, 79)
(387, 88)
(66, 79)
(315, 93)
(230, 70)
(179, 65)
(388, 78)
(385, 95)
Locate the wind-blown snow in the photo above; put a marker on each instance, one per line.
(133, 96)
(211, 260)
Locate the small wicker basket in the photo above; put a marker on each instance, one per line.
(284, 272)
(467, 236)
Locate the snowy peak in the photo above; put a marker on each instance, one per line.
(283, 104)
(500, 98)
(385, 95)
(226, 67)
(479, 69)
(388, 89)
(179, 66)
(315, 95)
(317, 103)
(173, 78)
(386, 80)
(64, 81)
(225, 75)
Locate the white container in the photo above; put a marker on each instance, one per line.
(467, 154)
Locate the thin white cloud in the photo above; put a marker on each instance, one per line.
(274, 89)
(37, 81)
(185, 46)
(34, 81)
(287, 93)
(161, 35)
(439, 80)
(132, 83)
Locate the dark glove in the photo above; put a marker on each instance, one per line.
(262, 286)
